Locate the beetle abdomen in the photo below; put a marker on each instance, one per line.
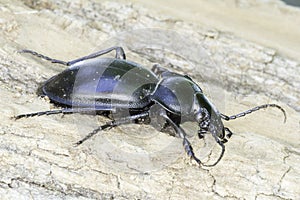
(104, 84)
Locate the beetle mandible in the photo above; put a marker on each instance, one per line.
(161, 91)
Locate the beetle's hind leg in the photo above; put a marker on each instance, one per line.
(58, 111)
(113, 123)
(43, 56)
(120, 54)
(48, 112)
(157, 69)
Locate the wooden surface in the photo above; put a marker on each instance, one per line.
(37, 156)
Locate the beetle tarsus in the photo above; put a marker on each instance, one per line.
(59, 111)
(120, 54)
(229, 132)
(186, 144)
(221, 155)
(189, 150)
(94, 132)
(48, 112)
(43, 56)
(53, 112)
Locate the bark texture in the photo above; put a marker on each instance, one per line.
(37, 156)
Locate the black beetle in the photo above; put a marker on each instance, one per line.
(98, 84)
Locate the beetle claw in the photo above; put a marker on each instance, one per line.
(197, 160)
(76, 144)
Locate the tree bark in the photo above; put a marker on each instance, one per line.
(38, 159)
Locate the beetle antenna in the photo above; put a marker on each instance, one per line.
(242, 114)
(43, 57)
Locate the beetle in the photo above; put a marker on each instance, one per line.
(114, 85)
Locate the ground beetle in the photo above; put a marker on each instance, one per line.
(93, 84)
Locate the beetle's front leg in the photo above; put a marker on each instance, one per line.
(228, 135)
(221, 143)
(189, 150)
(186, 144)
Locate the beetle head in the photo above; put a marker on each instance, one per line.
(208, 117)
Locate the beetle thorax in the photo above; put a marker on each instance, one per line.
(207, 116)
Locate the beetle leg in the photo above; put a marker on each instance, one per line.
(43, 56)
(120, 54)
(158, 70)
(48, 112)
(229, 134)
(52, 112)
(220, 142)
(111, 124)
(221, 155)
(189, 150)
(186, 144)
(242, 114)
